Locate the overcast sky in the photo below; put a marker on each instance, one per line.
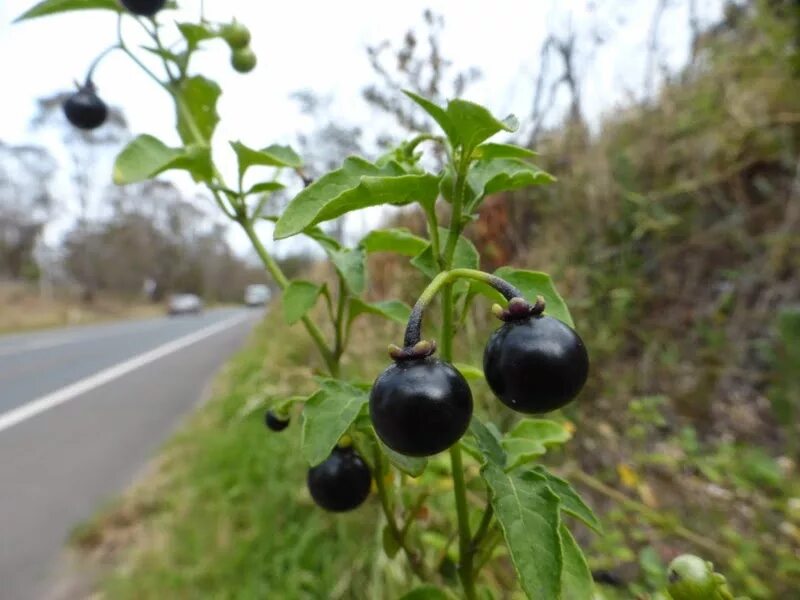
(321, 46)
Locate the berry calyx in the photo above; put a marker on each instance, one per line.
(243, 60)
(275, 422)
(146, 8)
(236, 35)
(534, 363)
(420, 406)
(341, 482)
(84, 109)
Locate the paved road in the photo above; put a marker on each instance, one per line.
(81, 412)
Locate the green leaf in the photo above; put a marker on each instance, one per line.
(428, 592)
(398, 240)
(146, 156)
(533, 283)
(352, 266)
(465, 124)
(571, 502)
(487, 442)
(52, 7)
(470, 372)
(529, 439)
(490, 150)
(327, 415)
(195, 33)
(438, 113)
(200, 97)
(407, 464)
(528, 513)
(357, 184)
(271, 156)
(298, 298)
(265, 186)
(576, 578)
(466, 256)
(490, 176)
(474, 124)
(393, 310)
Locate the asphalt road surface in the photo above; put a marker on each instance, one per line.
(81, 411)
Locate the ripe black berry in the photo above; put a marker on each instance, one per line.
(274, 422)
(535, 364)
(243, 60)
(84, 109)
(420, 406)
(341, 482)
(145, 8)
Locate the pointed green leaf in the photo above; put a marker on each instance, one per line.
(576, 578)
(474, 124)
(398, 240)
(271, 156)
(487, 442)
(490, 150)
(390, 545)
(194, 33)
(470, 372)
(530, 438)
(200, 97)
(327, 416)
(298, 298)
(571, 502)
(490, 176)
(357, 184)
(533, 283)
(528, 513)
(146, 156)
(352, 266)
(407, 464)
(265, 186)
(438, 113)
(466, 256)
(52, 7)
(393, 310)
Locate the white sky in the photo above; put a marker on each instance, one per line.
(320, 46)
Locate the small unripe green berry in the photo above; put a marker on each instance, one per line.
(243, 60)
(236, 35)
(692, 578)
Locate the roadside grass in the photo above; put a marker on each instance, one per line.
(224, 511)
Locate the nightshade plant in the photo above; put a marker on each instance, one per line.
(354, 433)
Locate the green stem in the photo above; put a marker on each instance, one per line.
(416, 141)
(483, 528)
(277, 274)
(417, 565)
(458, 207)
(464, 537)
(338, 322)
(100, 57)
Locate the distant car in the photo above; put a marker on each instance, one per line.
(185, 304)
(256, 295)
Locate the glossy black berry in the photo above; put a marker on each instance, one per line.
(341, 482)
(535, 364)
(274, 422)
(146, 8)
(84, 109)
(420, 406)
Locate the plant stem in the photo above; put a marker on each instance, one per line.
(100, 57)
(338, 322)
(444, 280)
(464, 537)
(277, 274)
(413, 558)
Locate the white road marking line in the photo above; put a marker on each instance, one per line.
(35, 407)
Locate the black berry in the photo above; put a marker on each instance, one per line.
(84, 109)
(341, 482)
(535, 364)
(420, 406)
(145, 8)
(274, 422)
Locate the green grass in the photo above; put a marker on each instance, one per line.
(226, 513)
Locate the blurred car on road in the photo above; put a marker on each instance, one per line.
(256, 295)
(184, 304)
